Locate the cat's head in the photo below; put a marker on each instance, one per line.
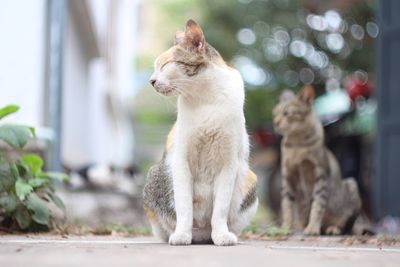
(181, 67)
(293, 114)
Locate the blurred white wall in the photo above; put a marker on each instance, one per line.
(76, 98)
(96, 128)
(123, 45)
(22, 36)
(98, 70)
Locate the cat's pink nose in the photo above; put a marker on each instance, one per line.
(152, 81)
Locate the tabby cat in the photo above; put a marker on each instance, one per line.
(314, 196)
(202, 190)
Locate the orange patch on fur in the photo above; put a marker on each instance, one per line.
(250, 182)
(151, 215)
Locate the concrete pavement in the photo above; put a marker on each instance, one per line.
(44, 250)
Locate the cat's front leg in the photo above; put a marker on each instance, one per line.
(223, 190)
(318, 206)
(183, 195)
(287, 204)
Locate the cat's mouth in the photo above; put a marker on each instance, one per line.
(165, 90)
(280, 129)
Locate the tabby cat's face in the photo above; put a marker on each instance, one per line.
(293, 114)
(184, 65)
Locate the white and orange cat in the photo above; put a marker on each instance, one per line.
(202, 190)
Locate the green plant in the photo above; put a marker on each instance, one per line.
(109, 229)
(277, 231)
(26, 191)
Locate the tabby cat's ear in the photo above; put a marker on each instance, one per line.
(286, 95)
(194, 38)
(307, 94)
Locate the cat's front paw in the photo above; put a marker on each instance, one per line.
(312, 230)
(224, 238)
(180, 239)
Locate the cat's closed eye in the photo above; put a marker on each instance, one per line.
(165, 64)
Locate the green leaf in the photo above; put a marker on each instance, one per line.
(7, 110)
(6, 181)
(9, 203)
(59, 203)
(38, 182)
(22, 216)
(22, 169)
(22, 189)
(33, 131)
(15, 135)
(41, 213)
(58, 176)
(34, 163)
(14, 171)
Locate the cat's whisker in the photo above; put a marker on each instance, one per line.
(179, 90)
(179, 83)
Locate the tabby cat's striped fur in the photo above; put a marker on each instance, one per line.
(314, 196)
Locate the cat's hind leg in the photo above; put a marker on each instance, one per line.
(342, 218)
(158, 201)
(156, 227)
(344, 226)
(353, 204)
(248, 208)
(333, 230)
(243, 218)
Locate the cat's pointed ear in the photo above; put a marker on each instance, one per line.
(286, 95)
(179, 37)
(307, 94)
(194, 37)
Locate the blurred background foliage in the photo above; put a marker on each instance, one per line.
(286, 44)
(276, 44)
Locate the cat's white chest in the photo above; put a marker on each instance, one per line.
(208, 150)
